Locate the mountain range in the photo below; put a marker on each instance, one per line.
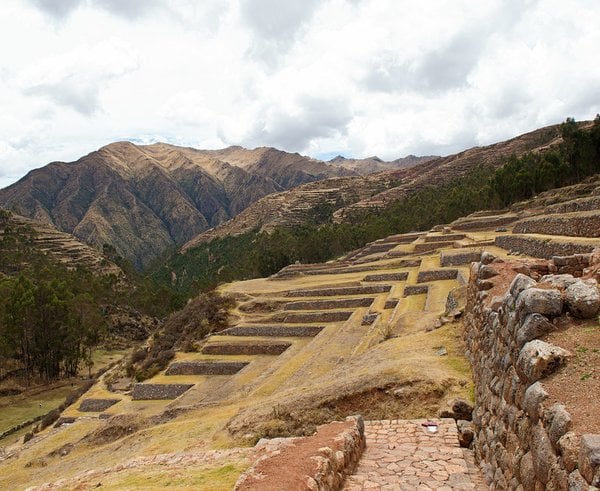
(145, 199)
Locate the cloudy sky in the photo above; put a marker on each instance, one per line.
(320, 77)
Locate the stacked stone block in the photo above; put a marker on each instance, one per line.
(521, 443)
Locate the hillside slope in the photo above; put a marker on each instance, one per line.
(144, 199)
(60, 246)
(345, 196)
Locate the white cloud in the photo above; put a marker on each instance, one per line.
(360, 77)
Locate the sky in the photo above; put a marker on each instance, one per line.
(318, 77)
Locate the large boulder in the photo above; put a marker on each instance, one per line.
(541, 301)
(583, 299)
(538, 359)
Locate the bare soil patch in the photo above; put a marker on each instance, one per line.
(577, 384)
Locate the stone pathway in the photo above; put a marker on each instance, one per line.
(402, 455)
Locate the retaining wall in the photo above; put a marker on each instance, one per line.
(329, 304)
(582, 204)
(327, 463)
(485, 223)
(345, 290)
(541, 248)
(587, 225)
(415, 290)
(97, 405)
(300, 317)
(456, 259)
(273, 331)
(387, 277)
(437, 275)
(443, 238)
(205, 367)
(249, 348)
(158, 391)
(521, 440)
(431, 246)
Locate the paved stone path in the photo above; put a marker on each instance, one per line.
(402, 455)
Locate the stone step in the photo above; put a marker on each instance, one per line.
(245, 348)
(273, 331)
(205, 367)
(149, 392)
(404, 454)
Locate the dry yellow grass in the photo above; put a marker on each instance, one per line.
(347, 362)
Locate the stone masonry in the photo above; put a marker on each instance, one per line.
(403, 455)
(521, 443)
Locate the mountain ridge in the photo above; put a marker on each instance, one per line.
(143, 199)
(353, 194)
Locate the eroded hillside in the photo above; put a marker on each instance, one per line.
(143, 199)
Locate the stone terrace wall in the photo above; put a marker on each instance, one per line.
(456, 259)
(540, 248)
(328, 460)
(576, 226)
(520, 443)
(436, 275)
(582, 204)
(158, 391)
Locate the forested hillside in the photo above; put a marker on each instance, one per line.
(255, 253)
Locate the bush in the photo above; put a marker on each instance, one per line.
(49, 419)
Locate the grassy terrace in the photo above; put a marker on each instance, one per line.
(390, 368)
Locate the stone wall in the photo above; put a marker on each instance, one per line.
(521, 441)
(484, 223)
(301, 317)
(273, 331)
(402, 276)
(431, 246)
(436, 275)
(540, 248)
(328, 457)
(585, 225)
(247, 348)
(457, 258)
(415, 290)
(205, 367)
(97, 405)
(344, 290)
(343, 303)
(443, 238)
(158, 391)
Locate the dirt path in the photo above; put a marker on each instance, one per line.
(403, 455)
